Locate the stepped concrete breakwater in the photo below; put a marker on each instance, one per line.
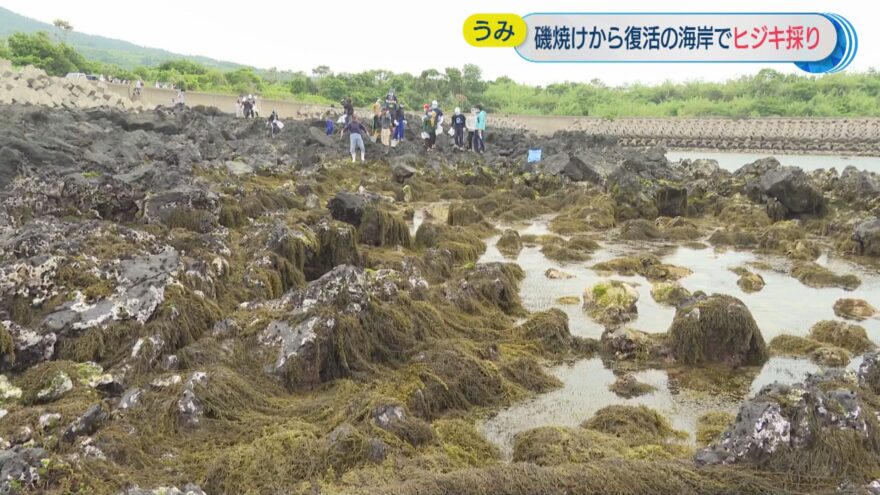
(819, 135)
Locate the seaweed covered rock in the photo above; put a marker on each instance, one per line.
(633, 425)
(578, 248)
(639, 229)
(462, 215)
(669, 293)
(555, 445)
(867, 237)
(711, 425)
(671, 201)
(380, 228)
(748, 281)
(611, 302)
(322, 336)
(646, 265)
(463, 246)
(804, 428)
(815, 275)
(509, 243)
(854, 309)
(556, 274)
(452, 380)
(550, 329)
(851, 337)
(627, 386)
(717, 329)
(496, 284)
(631, 344)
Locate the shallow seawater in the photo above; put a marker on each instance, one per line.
(733, 160)
(783, 306)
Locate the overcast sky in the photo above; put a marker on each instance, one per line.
(402, 36)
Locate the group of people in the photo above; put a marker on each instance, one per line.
(246, 106)
(389, 123)
(473, 124)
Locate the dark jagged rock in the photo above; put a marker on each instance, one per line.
(791, 187)
(348, 207)
(87, 424)
(867, 237)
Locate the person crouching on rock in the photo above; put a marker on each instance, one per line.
(356, 132)
(275, 124)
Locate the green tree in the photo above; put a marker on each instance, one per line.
(63, 27)
(38, 50)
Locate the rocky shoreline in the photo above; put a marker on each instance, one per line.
(839, 136)
(186, 302)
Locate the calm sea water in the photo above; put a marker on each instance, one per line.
(733, 160)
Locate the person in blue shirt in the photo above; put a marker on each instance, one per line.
(458, 124)
(479, 142)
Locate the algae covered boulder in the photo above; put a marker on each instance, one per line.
(748, 281)
(611, 302)
(791, 187)
(509, 243)
(854, 309)
(867, 237)
(463, 214)
(669, 293)
(717, 329)
(815, 275)
(550, 329)
(627, 386)
(803, 429)
(851, 337)
(634, 425)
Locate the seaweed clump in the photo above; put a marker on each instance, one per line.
(627, 386)
(646, 265)
(555, 445)
(815, 275)
(717, 329)
(851, 337)
(509, 243)
(634, 425)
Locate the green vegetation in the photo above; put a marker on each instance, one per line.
(768, 93)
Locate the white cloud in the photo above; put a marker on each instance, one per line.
(402, 36)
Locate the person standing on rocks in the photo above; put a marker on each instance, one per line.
(348, 108)
(399, 123)
(429, 130)
(377, 113)
(458, 125)
(470, 123)
(356, 132)
(385, 123)
(479, 143)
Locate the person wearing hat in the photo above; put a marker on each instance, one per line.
(458, 124)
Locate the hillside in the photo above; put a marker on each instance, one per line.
(107, 50)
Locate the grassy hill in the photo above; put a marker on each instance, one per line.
(107, 50)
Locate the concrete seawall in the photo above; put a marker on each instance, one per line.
(848, 136)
